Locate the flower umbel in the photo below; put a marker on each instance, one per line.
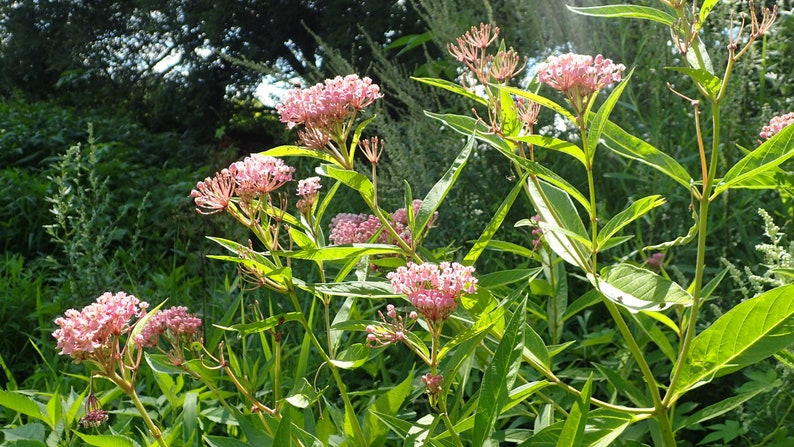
(173, 323)
(434, 289)
(214, 194)
(96, 326)
(94, 414)
(579, 76)
(260, 174)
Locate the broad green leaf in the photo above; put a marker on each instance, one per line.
(493, 226)
(353, 179)
(190, 406)
(106, 440)
(707, 80)
(605, 426)
(698, 56)
(747, 334)
(511, 126)
(638, 289)
(629, 146)
(556, 209)
(282, 436)
(545, 102)
(387, 403)
(627, 11)
(509, 247)
(499, 376)
(572, 433)
(634, 211)
(342, 252)
(352, 357)
(705, 9)
(766, 157)
(555, 144)
(32, 433)
(601, 117)
(22, 404)
(297, 151)
(452, 87)
(439, 191)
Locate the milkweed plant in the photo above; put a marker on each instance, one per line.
(483, 351)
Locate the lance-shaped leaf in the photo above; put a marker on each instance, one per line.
(358, 289)
(545, 102)
(557, 211)
(555, 144)
(341, 252)
(765, 158)
(705, 9)
(626, 11)
(601, 117)
(469, 126)
(264, 325)
(499, 376)
(353, 179)
(747, 334)
(708, 81)
(639, 289)
(452, 87)
(297, 151)
(636, 210)
(440, 190)
(572, 433)
(629, 146)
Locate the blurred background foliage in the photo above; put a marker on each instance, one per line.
(111, 110)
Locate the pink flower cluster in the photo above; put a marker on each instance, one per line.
(325, 106)
(256, 174)
(307, 190)
(777, 124)
(433, 289)
(175, 320)
(349, 228)
(260, 174)
(579, 75)
(97, 325)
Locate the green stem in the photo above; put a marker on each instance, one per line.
(129, 390)
(451, 428)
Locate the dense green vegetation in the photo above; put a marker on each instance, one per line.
(111, 111)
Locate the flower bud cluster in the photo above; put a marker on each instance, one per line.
(349, 228)
(433, 289)
(392, 330)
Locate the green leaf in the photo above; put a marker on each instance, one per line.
(282, 436)
(627, 11)
(698, 57)
(637, 289)
(439, 191)
(504, 277)
(680, 240)
(106, 440)
(747, 334)
(221, 441)
(623, 386)
(723, 406)
(601, 117)
(353, 179)
(490, 230)
(342, 252)
(297, 151)
(556, 210)
(485, 321)
(499, 376)
(766, 157)
(520, 393)
(708, 81)
(22, 404)
(357, 289)
(32, 432)
(605, 426)
(511, 126)
(409, 42)
(629, 146)
(634, 211)
(190, 431)
(572, 433)
(352, 357)
(388, 403)
(705, 9)
(555, 144)
(264, 325)
(545, 102)
(452, 87)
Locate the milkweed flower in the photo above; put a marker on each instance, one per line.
(94, 414)
(214, 194)
(348, 228)
(392, 330)
(307, 190)
(260, 174)
(95, 327)
(433, 289)
(325, 107)
(175, 322)
(579, 76)
(777, 124)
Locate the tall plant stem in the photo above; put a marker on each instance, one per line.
(129, 390)
(700, 262)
